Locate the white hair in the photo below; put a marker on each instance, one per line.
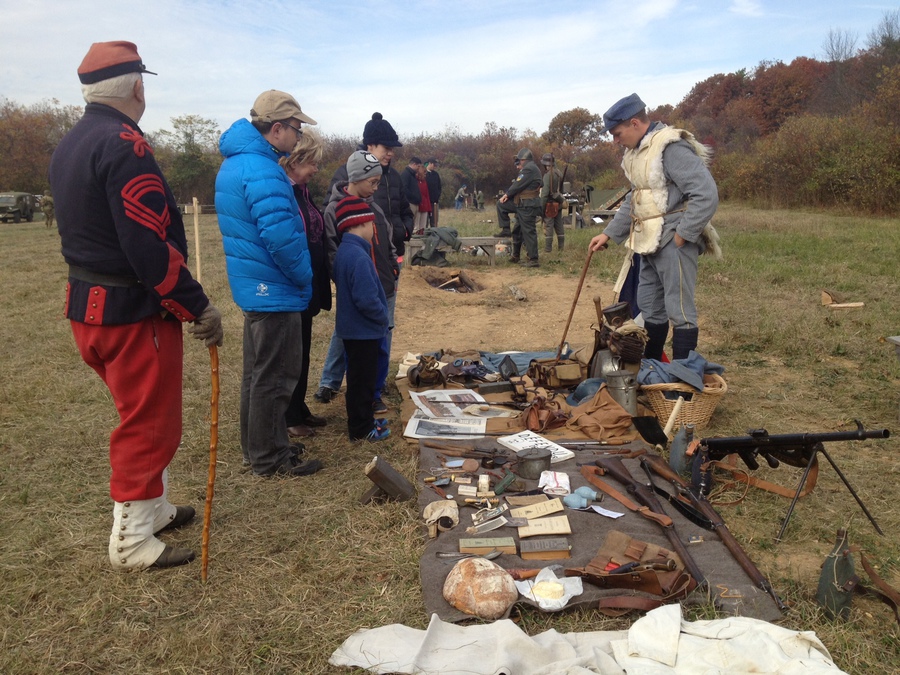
(119, 87)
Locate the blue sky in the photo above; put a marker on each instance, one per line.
(427, 66)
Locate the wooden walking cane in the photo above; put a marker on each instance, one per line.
(213, 448)
(584, 270)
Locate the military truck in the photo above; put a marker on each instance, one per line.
(15, 206)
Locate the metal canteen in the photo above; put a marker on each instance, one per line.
(533, 462)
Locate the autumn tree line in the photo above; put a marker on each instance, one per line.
(809, 133)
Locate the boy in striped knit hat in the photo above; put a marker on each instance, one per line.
(361, 319)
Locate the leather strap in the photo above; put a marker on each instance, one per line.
(730, 464)
(886, 593)
(592, 473)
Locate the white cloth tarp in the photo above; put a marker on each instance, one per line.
(660, 643)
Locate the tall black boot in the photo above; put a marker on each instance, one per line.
(562, 242)
(657, 332)
(683, 341)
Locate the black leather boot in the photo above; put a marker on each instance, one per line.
(683, 341)
(657, 332)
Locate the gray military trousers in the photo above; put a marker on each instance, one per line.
(667, 282)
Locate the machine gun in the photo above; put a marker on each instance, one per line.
(800, 450)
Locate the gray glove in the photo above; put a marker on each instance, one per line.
(208, 327)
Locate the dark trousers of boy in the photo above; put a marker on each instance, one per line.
(362, 374)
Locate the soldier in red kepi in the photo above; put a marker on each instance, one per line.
(128, 293)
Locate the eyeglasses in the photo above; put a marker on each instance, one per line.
(299, 131)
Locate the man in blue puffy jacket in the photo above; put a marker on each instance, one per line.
(270, 275)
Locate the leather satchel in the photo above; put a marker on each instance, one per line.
(551, 210)
(556, 374)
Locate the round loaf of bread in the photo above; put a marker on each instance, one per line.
(481, 588)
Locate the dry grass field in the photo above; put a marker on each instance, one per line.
(298, 565)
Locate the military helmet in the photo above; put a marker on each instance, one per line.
(524, 153)
(547, 159)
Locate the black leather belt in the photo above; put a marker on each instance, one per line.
(120, 280)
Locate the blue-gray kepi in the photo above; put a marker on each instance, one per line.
(622, 111)
(585, 391)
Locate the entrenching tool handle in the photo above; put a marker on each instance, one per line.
(598, 307)
(584, 270)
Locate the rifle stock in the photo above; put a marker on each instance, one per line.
(660, 467)
(642, 492)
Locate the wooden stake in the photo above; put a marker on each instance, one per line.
(197, 235)
(213, 449)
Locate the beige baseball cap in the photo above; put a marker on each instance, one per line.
(274, 106)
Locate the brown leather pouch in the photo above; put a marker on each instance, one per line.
(557, 374)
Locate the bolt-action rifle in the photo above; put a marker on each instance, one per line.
(659, 466)
(643, 493)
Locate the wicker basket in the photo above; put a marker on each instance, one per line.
(698, 407)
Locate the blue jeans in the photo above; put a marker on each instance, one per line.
(273, 359)
(336, 359)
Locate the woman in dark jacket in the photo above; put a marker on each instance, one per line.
(301, 165)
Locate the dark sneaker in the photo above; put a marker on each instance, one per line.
(325, 394)
(296, 467)
(513, 259)
(530, 263)
(297, 449)
(501, 233)
(382, 422)
(379, 406)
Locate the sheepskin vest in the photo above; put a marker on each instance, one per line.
(649, 200)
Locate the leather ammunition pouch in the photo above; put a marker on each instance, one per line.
(554, 374)
(659, 573)
(551, 210)
(543, 414)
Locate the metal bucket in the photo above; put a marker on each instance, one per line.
(622, 385)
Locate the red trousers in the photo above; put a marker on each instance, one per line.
(141, 364)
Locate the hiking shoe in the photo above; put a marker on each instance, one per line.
(513, 259)
(325, 394)
(377, 434)
(297, 449)
(530, 263)
(379, 406)
(295, 467)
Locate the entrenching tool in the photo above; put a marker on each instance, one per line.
(213, 450)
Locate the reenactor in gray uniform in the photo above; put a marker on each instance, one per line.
(551, 195)
(522, 198)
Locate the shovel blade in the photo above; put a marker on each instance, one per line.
(650, 430)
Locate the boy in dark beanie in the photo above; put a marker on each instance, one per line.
(361, 319)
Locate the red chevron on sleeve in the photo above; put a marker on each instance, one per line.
(134, 194)
(176, 262)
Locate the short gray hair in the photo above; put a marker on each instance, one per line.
(119, 87)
